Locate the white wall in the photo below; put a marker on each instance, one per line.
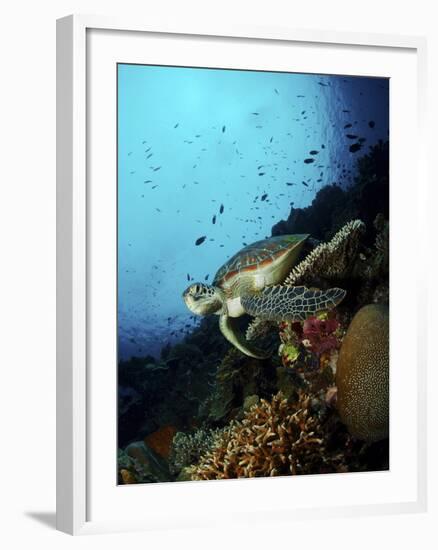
(27, 272)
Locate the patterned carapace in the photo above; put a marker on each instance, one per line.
(257, 255)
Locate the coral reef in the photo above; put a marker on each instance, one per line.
(168, 392)
(258, 328)
(221, 402)
(275, 438)
(140, 464)
(161, 440)
(237, 377)
(362, 375)
(329, 260)
(321, 334)
(309, 349)
(187, 448)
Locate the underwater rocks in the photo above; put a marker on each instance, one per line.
(362, 375)
(161, 440)
(333, 207)
(140, 464)
(155, 393)
(238, 376)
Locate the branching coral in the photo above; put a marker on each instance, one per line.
(332, 259)
(275, 438)
(327, 261)
(258, 328)
(187, 448)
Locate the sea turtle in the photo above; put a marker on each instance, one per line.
(250, 281)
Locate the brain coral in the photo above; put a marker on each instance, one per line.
(362, 374)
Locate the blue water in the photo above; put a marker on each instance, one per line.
(191, 140)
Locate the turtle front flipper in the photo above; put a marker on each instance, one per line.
(283, 303)
(231, 332)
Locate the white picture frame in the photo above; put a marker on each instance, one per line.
(76, 380)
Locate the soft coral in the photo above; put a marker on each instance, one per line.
(319, 334)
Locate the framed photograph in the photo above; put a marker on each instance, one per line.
(240, 214)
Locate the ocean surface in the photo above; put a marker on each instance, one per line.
(217, 157)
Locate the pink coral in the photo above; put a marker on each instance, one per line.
(320, 334)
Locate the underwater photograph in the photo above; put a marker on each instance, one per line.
(253, 273)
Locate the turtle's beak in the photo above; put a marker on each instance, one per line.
(201, 299)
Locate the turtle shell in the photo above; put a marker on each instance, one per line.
(257, 256)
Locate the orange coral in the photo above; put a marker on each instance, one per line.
(275, 438)
(161, 440)
(127, 477)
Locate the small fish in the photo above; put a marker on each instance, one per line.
(347, 126)
(200, 240)
(305, 184)
(254, 113)
(154, 186)
(309, 161)
(371, 123)
(147, 181)
(322, 84)
(223, 129)
(206, 277)
(157, 209)
(301, 96)
(213, 221)
(221, 209)
(350, 136)
(270, 141)
(149, 156)
(260, 167)
(188, 276)
(276, 91)
(157, 168)
(262, 173)
(290, 183)
(313, 152)
(176, 125)
(264, 197)
(345, 111)
(355, 147)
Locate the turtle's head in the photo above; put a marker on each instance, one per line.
(203, 299)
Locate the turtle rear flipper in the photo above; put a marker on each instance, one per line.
(232, 333)
(282, 303)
